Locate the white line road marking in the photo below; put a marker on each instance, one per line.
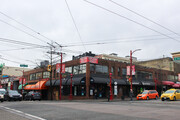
(26, 115)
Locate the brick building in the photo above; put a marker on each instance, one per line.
(91, 74)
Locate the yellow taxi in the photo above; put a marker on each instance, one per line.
(171, 94)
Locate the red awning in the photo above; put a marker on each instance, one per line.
(176, 85)
(168, 83)
(38, 86)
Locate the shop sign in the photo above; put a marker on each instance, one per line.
(179, 77)
(58, 66)
(5, 81)
(133, 70)
(89, 59)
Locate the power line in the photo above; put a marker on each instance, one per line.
(25, 26)
(131, 20)
(117, 41)
(144, 17)
(22, 31)
(19, 42)
(75, 24)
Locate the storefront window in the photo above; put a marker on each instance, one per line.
(124, 71)
(80, 69)
(98, 69)
(33, 76)
(68, 70)
(119, 71)
(38, 75)
(46, 74)
(143, 75)
(112, 70)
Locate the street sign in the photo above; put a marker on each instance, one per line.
(23, 65)
(58, 66)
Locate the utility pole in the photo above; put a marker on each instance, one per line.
(51, 52)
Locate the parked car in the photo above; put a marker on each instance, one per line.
(148, 94)
(13, 95)
(32, 95)
(171, 94)
(3, 94)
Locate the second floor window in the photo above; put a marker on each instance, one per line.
(33, 76)
(46, 74)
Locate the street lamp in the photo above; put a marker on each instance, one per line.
(131, 52)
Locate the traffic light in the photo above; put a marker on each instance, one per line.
(49, 68)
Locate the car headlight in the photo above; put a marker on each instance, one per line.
(171, 95)
(143, 95)
(10, 96)
(20, 95)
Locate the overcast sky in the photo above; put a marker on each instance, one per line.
(52, 19)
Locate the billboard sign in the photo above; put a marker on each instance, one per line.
(89, 59)
(133, 70)
(58, 66)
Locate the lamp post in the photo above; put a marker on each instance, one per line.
(110, 86)
(70, 96)
(131, 52)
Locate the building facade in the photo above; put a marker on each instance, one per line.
(91, 76)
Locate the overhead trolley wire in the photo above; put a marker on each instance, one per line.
(118, 4)
(130, 20)
(75, 24)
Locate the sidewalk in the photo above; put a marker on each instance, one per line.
(104, 100)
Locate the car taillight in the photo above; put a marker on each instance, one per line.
(32, 94)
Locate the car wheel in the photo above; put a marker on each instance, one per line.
(174, 98)
(147, 98)
(162, 99)
(39, 99)
(2, 100)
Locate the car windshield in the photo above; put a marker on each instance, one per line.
(145, 92)
(2, 92)
(170, 91)
(13, 92)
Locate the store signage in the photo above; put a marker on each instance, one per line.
(22, 79)
(5, 81)
(4, 76)
(179, 77)
(58, 66)
(89, 59)
(133, 70)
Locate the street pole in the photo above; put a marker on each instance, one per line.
(131, 90)
(22, 84)
(131, 69)
(111, 95)
(70, 97)
(60, 77)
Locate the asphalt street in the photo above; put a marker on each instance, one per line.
(90, 110)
